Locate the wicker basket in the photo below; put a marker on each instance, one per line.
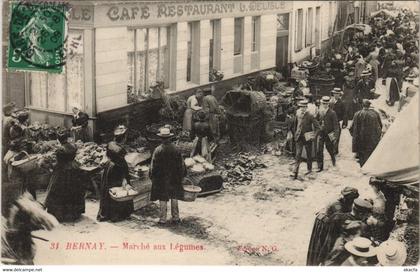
(121, 198)
(190, 192)
(26, 165)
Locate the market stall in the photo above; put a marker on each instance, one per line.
(396, 164)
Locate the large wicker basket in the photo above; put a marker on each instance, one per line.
(29, 163)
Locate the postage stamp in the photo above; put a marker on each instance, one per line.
(37, 36)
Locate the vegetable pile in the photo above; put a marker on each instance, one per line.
(198, 164)
(90, 154)
(239, 170)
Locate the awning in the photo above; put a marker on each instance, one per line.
(396, 158)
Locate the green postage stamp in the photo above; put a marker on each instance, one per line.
(37, 36)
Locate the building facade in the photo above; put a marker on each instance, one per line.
(117, 50)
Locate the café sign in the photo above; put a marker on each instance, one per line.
(142, 13)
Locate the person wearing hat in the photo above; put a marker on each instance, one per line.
(337, 70)
(193, 107)
(360, 249)
(305, 126)
(407, 89)
(321, 242)
(312, 108)
(359, 66)
(338, 254)
(66, 190)
(212, 109)
(80, 126)
(328, 133)
(366, 131)
(374, 63)
(349, 95)
(201, 134)
(391, 253)
(381, 229)
(339, 108)
(365, 86)
(120, 134)
(115, 174)
(167, 170)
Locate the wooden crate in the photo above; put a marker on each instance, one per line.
(141, 201)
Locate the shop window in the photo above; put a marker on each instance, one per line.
(61, 92)
(148, 58)
(256, 29)
(299, 30)
(330, 18)
(309, 27)
(255, 42)
(189, 50)
(238, 38)
(214, 48)
(238, 44)
(193, 57)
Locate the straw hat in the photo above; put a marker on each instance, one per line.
(361, 247)
(336, 91)
(391, 253)
(164, 133)
(366, 73)
(325, 99)
(302, 103)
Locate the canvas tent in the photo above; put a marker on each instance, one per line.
(396, 158)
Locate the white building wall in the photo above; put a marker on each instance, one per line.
(268, 41)
(325, 21)
(247, 44)
(111, 67)
(181, 55)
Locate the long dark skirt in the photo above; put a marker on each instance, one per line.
(66, 194)
(110, 209)
(316, 254)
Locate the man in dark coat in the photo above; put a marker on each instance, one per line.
(365, 86)
(349, 97)
(322, 224)
(305, 127)
(339, 108)
(167, 171)
(366, 130)
(328, 132)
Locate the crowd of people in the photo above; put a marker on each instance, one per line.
(356, 232)
(389, 52)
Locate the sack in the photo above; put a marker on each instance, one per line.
(309, 136)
